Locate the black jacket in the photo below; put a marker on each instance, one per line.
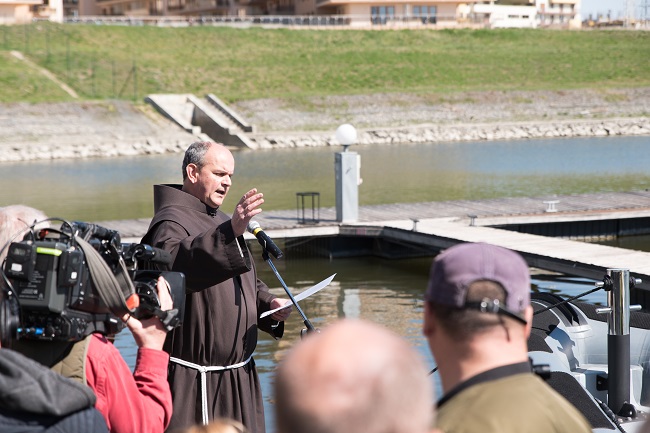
(36, 399)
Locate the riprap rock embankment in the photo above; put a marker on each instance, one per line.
(119, 128)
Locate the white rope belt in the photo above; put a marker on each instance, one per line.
(203, 370)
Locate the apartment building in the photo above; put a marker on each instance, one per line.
(559, 13)
(20, 11)
(25, 11)
(356, 13)
(388, 12)
(163, 8)
(527, 13)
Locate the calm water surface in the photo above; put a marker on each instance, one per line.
(121, 188)
(386, 292)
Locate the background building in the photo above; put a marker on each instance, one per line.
(23, 11)
(356, 13)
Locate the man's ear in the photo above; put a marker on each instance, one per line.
(528, 315)
(192, 171)
(428, 324)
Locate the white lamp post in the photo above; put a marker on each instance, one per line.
(347, 167)
(346, 135)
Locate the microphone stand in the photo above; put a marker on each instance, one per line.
(305, 320)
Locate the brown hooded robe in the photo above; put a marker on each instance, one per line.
(223, 301)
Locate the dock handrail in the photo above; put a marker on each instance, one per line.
(617, 283)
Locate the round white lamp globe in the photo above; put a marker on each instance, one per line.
(346, 134)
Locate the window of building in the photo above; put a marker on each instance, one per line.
(426, 13)
(382, 14)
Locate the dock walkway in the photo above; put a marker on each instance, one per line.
(488, 212)
(442, 224)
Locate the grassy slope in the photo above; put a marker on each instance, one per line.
(18, 82)
(236, 64)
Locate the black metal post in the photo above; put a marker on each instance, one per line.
(135, 81)
(67, 56)
(26, 33)
(113, 77)
(618, 339)
(93, 68)
(618, 365)
(267, 259)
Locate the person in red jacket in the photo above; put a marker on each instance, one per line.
(140, 401)
(130, 402)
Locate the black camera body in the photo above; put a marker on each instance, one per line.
(145, 287)
(52, 285)
(58, 299)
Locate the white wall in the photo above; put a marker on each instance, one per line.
(56, 10)
(15, 14)
(501, 16)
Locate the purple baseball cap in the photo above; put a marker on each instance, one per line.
(457, 267)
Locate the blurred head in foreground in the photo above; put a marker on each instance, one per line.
(221, 425)
(13, 219)
(354, 376)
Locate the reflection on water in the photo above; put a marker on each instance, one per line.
(388, 292)
(639, 243)
(121, 188)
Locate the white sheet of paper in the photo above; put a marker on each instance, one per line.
(302, 295)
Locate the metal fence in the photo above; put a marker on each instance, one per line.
(360, 20)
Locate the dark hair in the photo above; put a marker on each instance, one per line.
(463, 323)
(194, 155)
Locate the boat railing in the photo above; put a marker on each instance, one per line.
(617, 284)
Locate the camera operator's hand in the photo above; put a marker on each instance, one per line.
(151, 333)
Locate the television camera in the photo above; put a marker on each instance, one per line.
(79, 279)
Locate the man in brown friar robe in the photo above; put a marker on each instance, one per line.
(212, 373)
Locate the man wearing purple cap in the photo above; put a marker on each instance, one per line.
(477, 320)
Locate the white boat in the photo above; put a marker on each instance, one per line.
(596, 357)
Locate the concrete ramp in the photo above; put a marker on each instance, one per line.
(175, 107)
(208, 117)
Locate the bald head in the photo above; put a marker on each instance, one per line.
(353, 376)
(219, 425)
(207, 172)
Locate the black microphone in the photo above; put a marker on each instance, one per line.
(264, 239)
